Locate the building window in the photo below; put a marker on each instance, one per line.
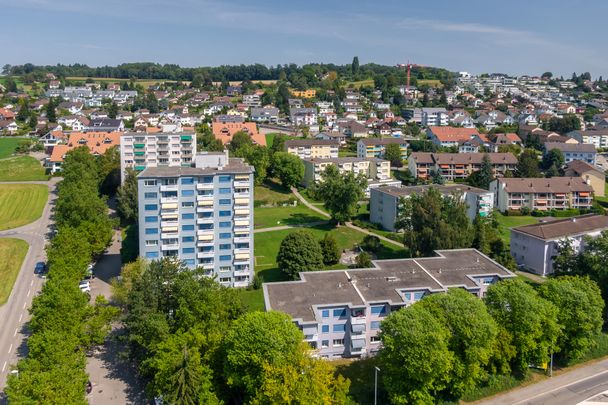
(225, 246)
(225, 235)
(188, 250)
(207, 179)
(225, 279)
(225, 201)
(151, 231)
(225, 190)
(187, 180)
(151, 219)
(339, 313)
(190, 262)
(325, 343)
(188, 239)
(225, 258)
(224, 213)
(188, 204)
(379, 310)
(152, 255)
(187, 193)
(149, 182)
(339, 327)
(225, 269)
(187, 227)
(338, 342)
(325, 313)
(374, 339)
(225, 179)
(150, 195)
(205, 227)
(151, 242)
(226, 224)
(188, 216)
(324, 328)
(374, 325)
(150, 207)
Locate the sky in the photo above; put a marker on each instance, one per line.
(514, 37)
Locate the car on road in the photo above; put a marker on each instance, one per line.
(85, 286)
(40, 268)
(89, 387)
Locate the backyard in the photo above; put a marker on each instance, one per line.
(21, 204)
(12, 252)
(505, 223)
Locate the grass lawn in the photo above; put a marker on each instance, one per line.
(272, 193)
(346, 153)
(21, 204)
(510, 222)
(7, 146)
(360, 83)
(266, 217)
(270, 138)
(12, 254)
(430, 82)
(22, 168)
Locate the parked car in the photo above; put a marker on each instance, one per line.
(89, 387)
(85, 286)
(40, 268)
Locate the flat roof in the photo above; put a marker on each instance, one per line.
(444, 189)
(560, 228)
(235, 166)
(338, 160)
(382, 283)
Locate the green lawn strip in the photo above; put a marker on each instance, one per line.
(22, 168)
(12, 254)
(505, 223)
(266, 217)
(8, 146)
(272, 193)
(253, 299)
(21, 204)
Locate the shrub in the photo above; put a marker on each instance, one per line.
(371, 243)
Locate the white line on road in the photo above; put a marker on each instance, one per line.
(10, 348)
(24, 304)
(3, 366)
(32, 283)
(20, 316)
(15, 334)
(29, 292)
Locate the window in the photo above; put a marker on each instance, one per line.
(149, 182)
(325, 313)
(150, 207)
(206, 249)
(187, 227)
(224, 213)
(324, 328)
(188, 216)
(225, 257)
(187, 193)
(152, 255)
(205, 226)
(225, 224)
(207, 179)
(338, 342)
(151, 242)
(188, 204)
(151, 219)
(225, 179)
(188, 239)
(225, 268)
(225, 201)
(205, 214)
(339, 313)
(325, 343)
(418, 295)
(339, 327)
(374, 339)
(225, 235)
(225, 279)
(187, 180)
(190, 262)
(188, 250)
(224, 246)
(150, 195)
(225, 190)
(242, 245)
(374, 325)
(151, 231)
(379, 310)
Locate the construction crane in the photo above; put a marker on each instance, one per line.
(409, 66)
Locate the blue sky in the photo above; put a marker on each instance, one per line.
(514, 36)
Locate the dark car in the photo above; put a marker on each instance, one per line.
(89, 387)
(40, 268)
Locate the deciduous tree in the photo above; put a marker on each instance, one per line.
(299, 252)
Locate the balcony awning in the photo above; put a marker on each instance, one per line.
(241, 212)
(168, 216)
(169, 206)
(357, 344)
(241, 223)
(186, 138)
(241, 256)
(205, 237)
(241, 177)
(139, 153)
(583, 194)
(206, 203)
(170, 229)
(241, 201)
(358, 327)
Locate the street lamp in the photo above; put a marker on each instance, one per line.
(376, 369)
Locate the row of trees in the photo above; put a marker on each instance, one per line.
(447, 344)
(194, 343)
(64, 325)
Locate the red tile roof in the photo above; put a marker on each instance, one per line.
(225, 131)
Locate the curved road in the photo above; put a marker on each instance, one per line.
(14, 313)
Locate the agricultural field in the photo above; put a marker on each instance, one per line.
(431, 83)
(21, 204)
(12, 252)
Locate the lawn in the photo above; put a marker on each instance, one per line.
(7, 146)
(21, 204)
(270, 138)
(359, 84)
(266, 217)
(22, 168)
(12, 254)
(509, 222)
(430, 83)
(272, 193)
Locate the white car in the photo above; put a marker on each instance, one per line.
(85, 286)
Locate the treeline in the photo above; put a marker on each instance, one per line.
(194, 343)
(64, 324)
(450, 344)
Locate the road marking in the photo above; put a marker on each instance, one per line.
(3, 366)
(32, 283)
(24, 304)
(15, 334)
(20, 316)
(29, 292)
(560, 387)
(10, 348)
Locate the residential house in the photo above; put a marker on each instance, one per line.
(340, 311)
(303, 116)
(312, 148)
(434, 117)
(225, 132)
(535, 246)
(542, 194)
(450, 136)
(97, 143)
(233, 91)
(308, 93)
(375, 147)
(353, 129)
(372, 168)
(105, 125)
(594, 176)
(596, 137)
(8, 126)
(265, 114)
(578, 151)
(252, 100)
(336, 136)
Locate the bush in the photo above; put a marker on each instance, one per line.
(363, 261)
(525, 211)
(514, 213)
(371, 243)
(331, 252)
(258, 280)
(570, 212)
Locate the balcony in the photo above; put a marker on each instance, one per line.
(241, 284)
(243, 273)
(311, 338)
(202, 243)
(242, 195)
(208, 220)
(202, 255)
(168, 235)
(174, 246)
(169, 187)
(242, 239)
(169, 224)
(204, 198)
(241, 183)
(204, 186)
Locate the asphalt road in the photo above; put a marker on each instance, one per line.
(569, 388)
(14, 314)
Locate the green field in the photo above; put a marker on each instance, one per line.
(429, 82)
(22, 168)
(270, 138)
(7, 146)
(359, 84)
(505, 223)
(21, 204)
(266, 217)
(272, 193)
(12, 254)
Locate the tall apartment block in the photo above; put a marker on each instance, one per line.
(142, 150)
(201, 215)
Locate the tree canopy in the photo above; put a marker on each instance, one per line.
(299, 252)
(340, 192)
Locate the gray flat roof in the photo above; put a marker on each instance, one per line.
(444, 189)
(235, 166)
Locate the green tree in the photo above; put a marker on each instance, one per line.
(371, 243)
(568, 123)
(354, 67)
(581, 306)
(112, 110)
(288, 168)
(278, 143)
(363, 260)
(51, 114)
(553, 158)
(529, 322)
(126, 197)
(299, 252)
(484, 176)
(240, 140)
(329, 247)
(527, 164)
(340, 193)
(547, 75)
(415, 358)
(259, 158)
(392, 153)
(255, 340)
(109, 171)
(24, 111)
(472, 334)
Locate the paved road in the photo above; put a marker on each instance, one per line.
(569, 388)
(14, 313)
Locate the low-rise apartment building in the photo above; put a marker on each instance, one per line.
(542, 194)
(594, 176)
(574, 151)
(450, 136)
(372, 168)
(434, 117)
(340, 311)
(312, 148)
(384, 203)
(454, 166)
(303, 116)
(375, 147)
(596, 137)
(140, 150)
(535, 246)
(97, 143)
(265, 114)
(201, 215)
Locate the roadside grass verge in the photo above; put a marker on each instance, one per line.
(12, 254)
(21, 204)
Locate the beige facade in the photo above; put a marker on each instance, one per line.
(372, 168)
(592, 175)
(312, 149)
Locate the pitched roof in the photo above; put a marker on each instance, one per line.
(97, 143)
(311, 142)
(542, 185)
(580, 167)
(473, 158)
(560, 228)
(225, 131)
(570, 147)
(383, 141)
(451, 134)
